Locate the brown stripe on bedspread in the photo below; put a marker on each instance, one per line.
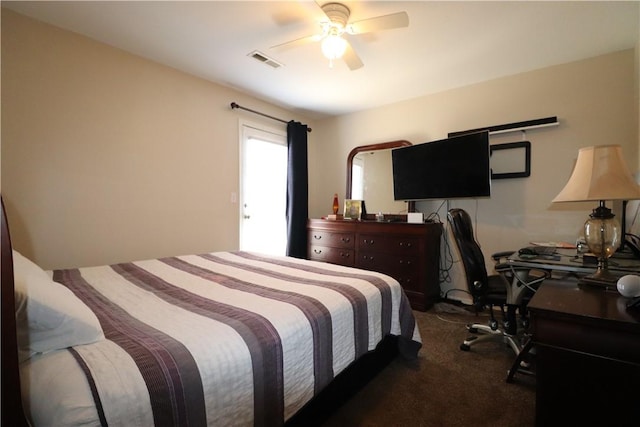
(169, 371)
(261, 337)
(92, 386)
(383, 287)
(316, 313)
(408, 347)
(355, 297)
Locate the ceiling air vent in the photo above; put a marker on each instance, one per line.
(259, 56)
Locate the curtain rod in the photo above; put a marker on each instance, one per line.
(235, 105)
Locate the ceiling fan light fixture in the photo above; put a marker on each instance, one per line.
(333, 46)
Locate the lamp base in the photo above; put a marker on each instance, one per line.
(601, 278)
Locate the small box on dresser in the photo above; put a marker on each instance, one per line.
(410, 253)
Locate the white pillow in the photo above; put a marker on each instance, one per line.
(49, 316)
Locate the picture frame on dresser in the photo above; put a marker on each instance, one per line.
(353, 209)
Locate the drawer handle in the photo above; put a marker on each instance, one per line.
(317, 251)
(315, 236)
(344, 254)
(345, 239)
(368, 242)
(367, 258)
(405, 262)
(405, 244)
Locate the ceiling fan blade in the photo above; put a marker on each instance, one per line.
(297, 42)
(351, 58)
(385, 22)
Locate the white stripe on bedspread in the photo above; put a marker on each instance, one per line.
(220, 352)
(117, 372)
(341, 313)
(218, 365)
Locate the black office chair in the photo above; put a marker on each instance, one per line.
(509, 289)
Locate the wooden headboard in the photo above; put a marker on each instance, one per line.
(12, 412)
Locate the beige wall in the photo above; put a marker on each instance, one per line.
(108, 157)
(594, 100)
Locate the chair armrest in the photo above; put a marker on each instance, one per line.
(504, 254)
(502, 266)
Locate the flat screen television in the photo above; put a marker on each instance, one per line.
(452, 168)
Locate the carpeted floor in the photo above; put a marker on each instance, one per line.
(445, 386)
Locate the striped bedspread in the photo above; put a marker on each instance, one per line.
(229, 338)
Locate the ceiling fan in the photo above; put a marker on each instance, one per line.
(334, 44)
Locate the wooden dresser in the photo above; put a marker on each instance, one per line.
(410, 253)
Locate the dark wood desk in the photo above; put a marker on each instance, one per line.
(587, 355)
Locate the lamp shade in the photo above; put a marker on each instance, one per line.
(600, 173)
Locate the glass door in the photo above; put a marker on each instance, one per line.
(263, 188)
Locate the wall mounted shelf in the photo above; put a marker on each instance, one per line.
(512, 127)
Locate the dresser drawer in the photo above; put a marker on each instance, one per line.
(410, 280)
(410, 253)
(331, 239)
(405, 269)
(388, 244)
(332, 255)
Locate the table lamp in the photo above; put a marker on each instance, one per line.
(600, 174)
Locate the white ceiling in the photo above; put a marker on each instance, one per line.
(447, 44)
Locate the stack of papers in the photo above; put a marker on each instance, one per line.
(559, 245)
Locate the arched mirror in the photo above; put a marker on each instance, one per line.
(370, 177)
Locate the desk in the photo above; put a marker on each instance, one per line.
(587, 355)
(567, 262)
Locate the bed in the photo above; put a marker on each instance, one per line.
(224, 338)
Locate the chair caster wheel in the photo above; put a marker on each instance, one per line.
(465, 347)
(493, 325)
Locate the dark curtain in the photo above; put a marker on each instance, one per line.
(297, 190)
